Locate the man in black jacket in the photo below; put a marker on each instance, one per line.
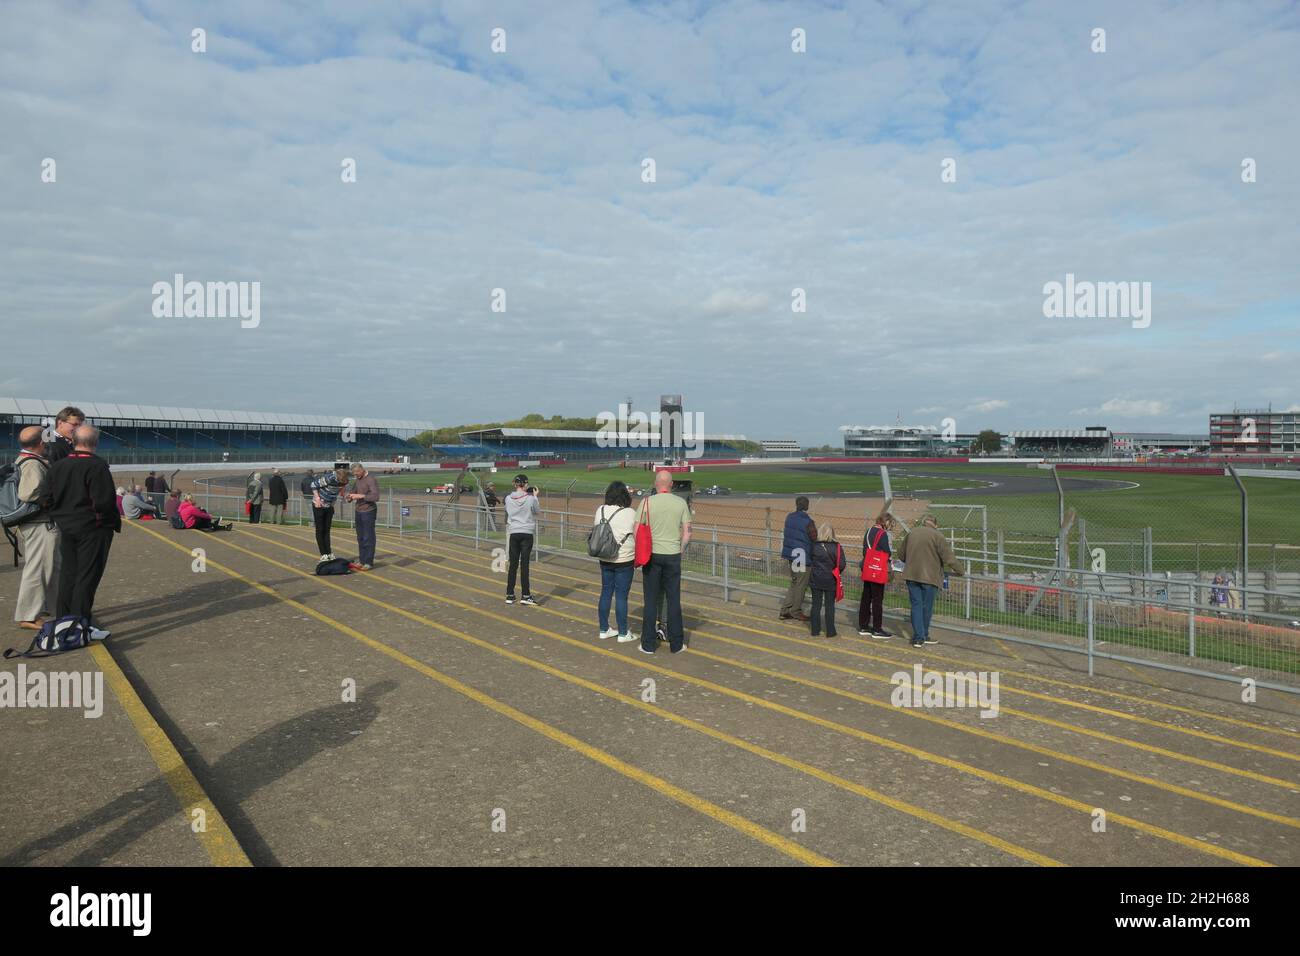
(60, 445)
(279, 497)
(84, 506)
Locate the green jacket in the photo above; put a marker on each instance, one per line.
(926, 552)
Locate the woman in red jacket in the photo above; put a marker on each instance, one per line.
(192, 516)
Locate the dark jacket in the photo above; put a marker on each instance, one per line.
(305, 484)
(82, 494)
(57, 449)
(826, 556)
(149, 484)
(800, 532)
(279, 491)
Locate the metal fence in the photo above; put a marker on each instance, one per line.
(1016, 587)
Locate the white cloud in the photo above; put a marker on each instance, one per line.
(992, 405)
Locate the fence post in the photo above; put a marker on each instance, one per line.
(1245, 538)
(968, 589)
(726, 573)
(1191, 629)
(1083, 565)
(1090, 635)
(477, 515)
(428, 520)
(1002, 573)
(563, 515)
(401, 521)
(714, 572)
(768, 551)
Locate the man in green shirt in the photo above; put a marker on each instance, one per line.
(670, 528)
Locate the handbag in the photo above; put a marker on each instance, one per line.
(644, 541)
(835, 570)
(875, 563)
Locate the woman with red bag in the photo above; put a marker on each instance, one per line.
(827, 585)
(875, 575)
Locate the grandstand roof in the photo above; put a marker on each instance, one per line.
(104, 410)
(1062, 433)
(559, 433)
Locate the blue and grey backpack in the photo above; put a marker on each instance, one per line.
(56, 636)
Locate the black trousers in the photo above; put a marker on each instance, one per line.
(823, 603)
(521, 550)
(83, 557)
(254, 514)
(323, 518)
(871, 607)
(662, 578)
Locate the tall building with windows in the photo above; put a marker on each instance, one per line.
(1255, 432)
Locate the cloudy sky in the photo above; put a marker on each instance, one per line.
(775, 170)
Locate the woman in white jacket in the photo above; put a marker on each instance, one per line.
(616, 575)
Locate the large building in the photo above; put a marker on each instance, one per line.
(166, 434)
(566, 443)
(902, 441)
(1159, 443)
(1257, 432)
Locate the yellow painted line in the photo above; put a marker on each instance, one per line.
(782, 759)
(216, 838)
(1151, 748)
(711, 619)
(1007, 649)
(658, 784)
(964, 728)
(990, 776)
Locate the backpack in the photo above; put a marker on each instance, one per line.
(601, 542)
(337, 566)
(177, 522)
(56, 636)
(306, 486)
(14, 511)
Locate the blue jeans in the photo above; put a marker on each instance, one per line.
(365, 521)
(615, 583)
(922, 598)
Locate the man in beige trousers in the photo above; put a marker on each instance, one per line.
(38, 538)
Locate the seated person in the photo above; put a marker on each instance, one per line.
(192, 516)
(134, 506)
(173, 504)
(121, 493)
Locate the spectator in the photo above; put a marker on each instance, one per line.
(66, 423)
(149, 485)
(325, 491)
(616, 574)
(521, 524)
(119, 494)
(827, 562)
(172, 507)
(135, 506)
(307, 494)
(192, 516)
(670, 528)
(925, 554)
(871, 608)
(279, 497)
(365, 493)
(81, 492)
(160, 490)
(38, 536)
(253, 495)
(796, 546)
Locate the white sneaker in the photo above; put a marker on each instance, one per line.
(608, 633)
(323, 558)
(99, 633)
(627, 638)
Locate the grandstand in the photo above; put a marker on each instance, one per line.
(152, 434)
(576, 445)
(1095, 441)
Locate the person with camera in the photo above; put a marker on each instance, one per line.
(522, 507)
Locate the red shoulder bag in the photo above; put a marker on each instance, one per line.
(875, 563)
(644, 542)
